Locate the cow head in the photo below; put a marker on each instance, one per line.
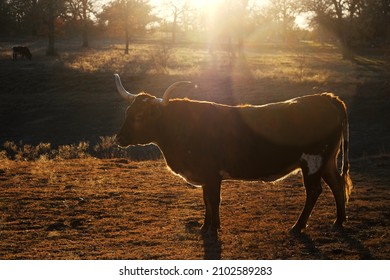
(142, 116)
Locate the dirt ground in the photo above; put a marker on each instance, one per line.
(120, 209)
(124, 209)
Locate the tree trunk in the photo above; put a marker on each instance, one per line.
(127, 39)
(35, 18)
(174, 28)
(345, 44)
(342, 30)
(85, 38)
(85, 24)
(51, 24)
(126, 20)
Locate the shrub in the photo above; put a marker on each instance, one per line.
(106, 148)
(160, 57)
(73, 151)
(21, 151)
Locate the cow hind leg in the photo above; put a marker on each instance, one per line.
(313, 188)
(212, 200)
(335, 182)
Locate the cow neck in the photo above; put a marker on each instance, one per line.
(166, 128)
(161, 129)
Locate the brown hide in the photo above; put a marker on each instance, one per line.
(202, 139)
(297, 122)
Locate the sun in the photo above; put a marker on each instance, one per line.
(212, 4)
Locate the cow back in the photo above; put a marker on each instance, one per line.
(297, 122)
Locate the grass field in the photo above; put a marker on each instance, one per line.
(64, 203)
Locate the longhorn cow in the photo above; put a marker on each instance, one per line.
(207, 143)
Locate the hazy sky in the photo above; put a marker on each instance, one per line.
(301, 20)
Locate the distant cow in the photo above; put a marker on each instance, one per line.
(22, 51)
(206, 143)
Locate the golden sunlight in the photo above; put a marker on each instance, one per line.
(207, 4)
(163, 8)
(198, 4)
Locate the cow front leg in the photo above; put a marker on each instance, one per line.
(212, 200)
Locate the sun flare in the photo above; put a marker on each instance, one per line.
(210, 4)
(198, 4)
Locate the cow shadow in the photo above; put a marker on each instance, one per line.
(342, 235)
(364, 253)
(211, 243)
(310, 246)
(212, 246)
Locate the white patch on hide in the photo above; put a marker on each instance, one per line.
(314, 162)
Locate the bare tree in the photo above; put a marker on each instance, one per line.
(85, 18)
(19, 16)
(51, 11)
(51, 25)
(283, 13)
(127, 6)
(126, 16)
(80, 11)
(228, 23)
(338, 17)
(136, 16)
(178, 9)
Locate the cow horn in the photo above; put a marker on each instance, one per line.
(169, 90)
(124, 93)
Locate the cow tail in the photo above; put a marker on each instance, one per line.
(345, 152)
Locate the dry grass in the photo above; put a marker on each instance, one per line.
(304, 63)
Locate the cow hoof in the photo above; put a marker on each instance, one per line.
(337, 226)
(295, 231)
